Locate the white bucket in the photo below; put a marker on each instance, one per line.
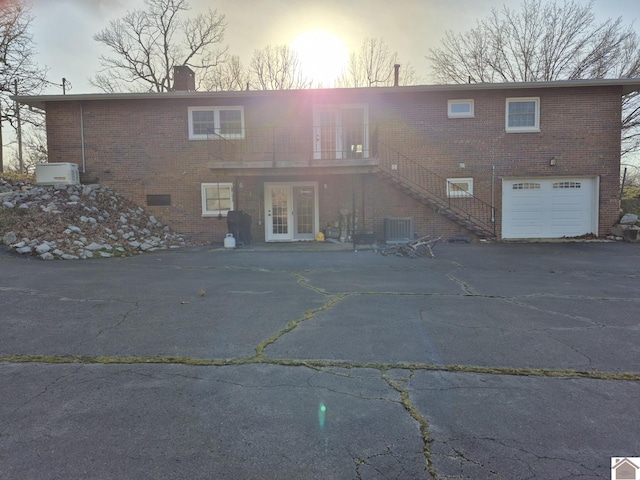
(229, 241)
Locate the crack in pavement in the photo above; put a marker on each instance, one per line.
(398, 385)
(38, 395)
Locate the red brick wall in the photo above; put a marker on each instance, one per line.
(141, 147)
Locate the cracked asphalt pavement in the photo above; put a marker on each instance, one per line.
(491, 361)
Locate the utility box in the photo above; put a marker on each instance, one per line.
(52, 173)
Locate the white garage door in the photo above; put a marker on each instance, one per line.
(549, 207)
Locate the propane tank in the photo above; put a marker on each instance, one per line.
(229, 241)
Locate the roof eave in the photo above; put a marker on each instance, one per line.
(628, 85)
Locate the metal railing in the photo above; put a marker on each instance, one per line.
(435, 189)
(296, 142)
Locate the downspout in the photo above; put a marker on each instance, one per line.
(84, 165)
(493, 202)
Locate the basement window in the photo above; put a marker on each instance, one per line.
(217, 199)
(460, 109)
(459, 187)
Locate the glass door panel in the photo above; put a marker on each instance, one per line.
(304, 212)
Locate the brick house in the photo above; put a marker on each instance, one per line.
(517, 160)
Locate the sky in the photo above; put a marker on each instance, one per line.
(63, 29)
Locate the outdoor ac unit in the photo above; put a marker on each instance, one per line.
(398, 229)
(52, 173)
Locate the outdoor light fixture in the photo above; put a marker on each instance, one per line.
(552, 162)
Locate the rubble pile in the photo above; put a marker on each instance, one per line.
(77, 222)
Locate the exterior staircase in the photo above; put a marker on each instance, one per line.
(431, 189)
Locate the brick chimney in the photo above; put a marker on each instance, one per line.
(184, 80)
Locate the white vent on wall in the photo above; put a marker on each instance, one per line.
(52, 173)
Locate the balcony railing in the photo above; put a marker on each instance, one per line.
(295, 144)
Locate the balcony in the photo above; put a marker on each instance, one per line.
(294, 147)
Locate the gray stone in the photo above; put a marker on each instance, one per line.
(9, 238)
(146, 246)
(47, 256)
(43, 248)
(629, 219)
(25, 249)
(8, 204)
(134, 244)
(74, 229)
(94, 246)
(68, 256)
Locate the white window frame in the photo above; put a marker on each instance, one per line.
(216, 212)
(469, 114)
(216, 135)
(524, 129)
(459, 193)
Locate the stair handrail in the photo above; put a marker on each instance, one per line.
(424, 181)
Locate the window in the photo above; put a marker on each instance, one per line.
(522, 115)
(211, 123)
(460, 109)
(526, 186)
(567, 185)
(459, 187)
(217, 198)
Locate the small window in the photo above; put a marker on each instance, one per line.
(216, 123)
(217, 198)
(460, 109)
(158, 200)
(566, 185)
(459, 187)
(526, 186)
(522, 115)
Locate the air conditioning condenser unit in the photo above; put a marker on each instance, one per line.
(52, 173)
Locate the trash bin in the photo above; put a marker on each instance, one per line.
(239, 224)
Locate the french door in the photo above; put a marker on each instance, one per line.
(291, 211)
(340, 132)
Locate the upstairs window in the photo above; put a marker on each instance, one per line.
(460, 109)
(522, 115)
(213, 123)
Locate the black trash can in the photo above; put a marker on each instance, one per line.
(239, 224)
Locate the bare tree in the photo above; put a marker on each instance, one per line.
(373, 66)
(541, 42)
(277, 68)
(19, 74)
(146, 45)
(228, 76)
(544, 42)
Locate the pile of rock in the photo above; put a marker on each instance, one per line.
(77, 222)
(627, 228)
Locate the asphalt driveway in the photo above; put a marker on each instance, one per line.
(491, 361)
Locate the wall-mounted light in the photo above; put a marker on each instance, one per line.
(462, 166)
(552, 162)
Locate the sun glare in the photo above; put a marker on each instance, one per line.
(322, 55)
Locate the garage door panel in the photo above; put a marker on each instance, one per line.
(549, 208)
